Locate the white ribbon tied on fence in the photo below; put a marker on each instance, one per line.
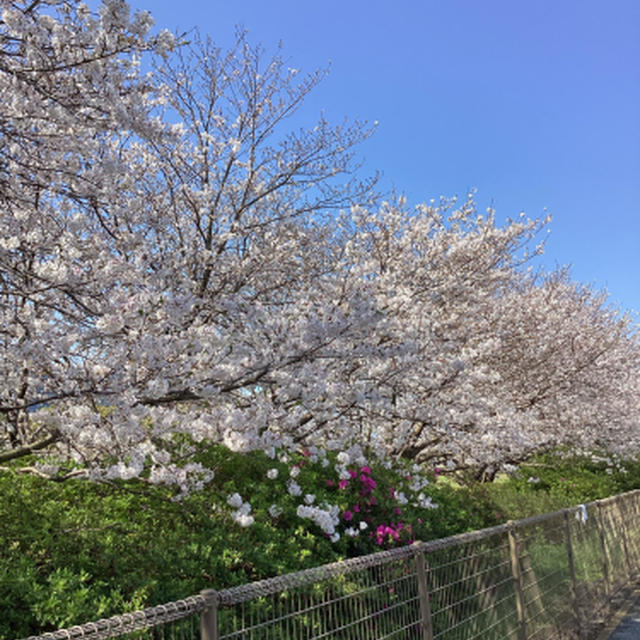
(581, 514)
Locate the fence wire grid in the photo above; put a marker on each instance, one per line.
(552, 576)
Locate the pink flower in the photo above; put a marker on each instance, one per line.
(356, 508)
(347, 515)
(330, 483)
(385, 530)
(343, 484)
(352, 473)
(366, 470)
(368, 484)
(398, 511)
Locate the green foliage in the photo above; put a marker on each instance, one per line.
(76, 551)
(557, 480)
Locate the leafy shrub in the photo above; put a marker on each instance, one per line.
(76, 551)
(560, 479)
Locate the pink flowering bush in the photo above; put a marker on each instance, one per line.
(337, 503)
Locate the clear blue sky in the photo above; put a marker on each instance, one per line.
(535, 104)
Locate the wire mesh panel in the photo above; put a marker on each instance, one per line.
(471, 590)
(542, 578)
(545, 578)
(376, 601)
(172, 621)
(629, 514)
(613, 523)
(591, 589)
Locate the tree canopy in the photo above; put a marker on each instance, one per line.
(179, 264)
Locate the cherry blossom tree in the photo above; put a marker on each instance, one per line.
(178, 263)
(70, 89)
(494, 362)
(569, 367)
(439, 274)
(156, 273)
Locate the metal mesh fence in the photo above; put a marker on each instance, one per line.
(179, 620)
(377, 601)
(471, 589)
(548, 577)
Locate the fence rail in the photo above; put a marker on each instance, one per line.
(551, 576)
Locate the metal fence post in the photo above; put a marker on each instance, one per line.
(572, 573)
(423, 593)
(603, 548)
(209, 617)
(517, 580)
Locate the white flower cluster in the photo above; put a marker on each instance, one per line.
(418, 482)
(612, 461)
(294, 488)
(352, 532)
(342, 472)
(326, 518)
(275, 511)
(234, 500)
(426, 502)
(242, 514)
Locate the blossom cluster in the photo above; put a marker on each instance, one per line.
(242, 514)
(342, 496)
